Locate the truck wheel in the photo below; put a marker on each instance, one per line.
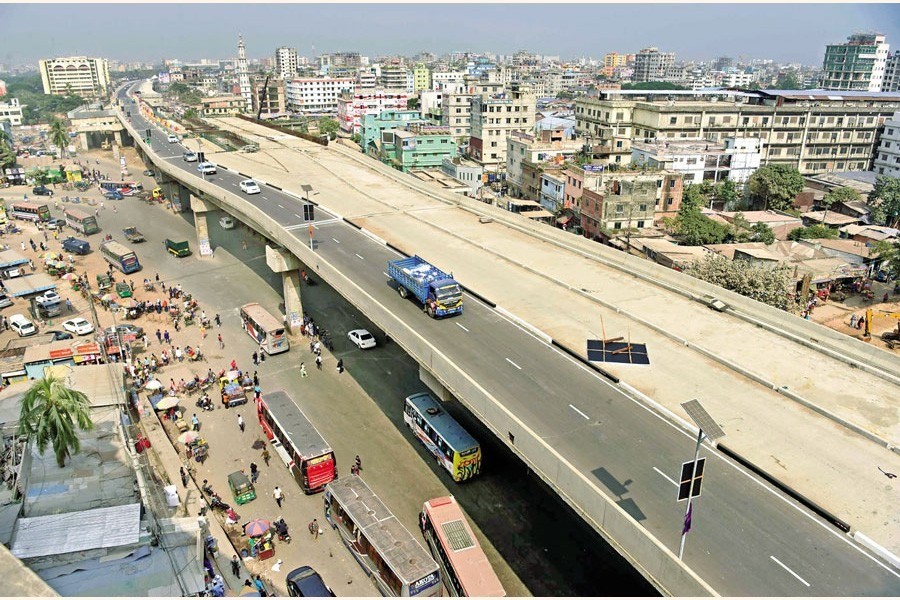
(402, 291)
(431, 311)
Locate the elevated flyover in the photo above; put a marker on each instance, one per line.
(611, 446)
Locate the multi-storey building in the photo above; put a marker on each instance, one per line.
(700, 160)
(466, 171)
(494, 117)
(529, 156)
(887, 157)
(553, 185)
(456, 113)
(366, 79)
(374, 125)
(891, 81)
(856, 65)
(421, 77)
(811, 130)
(439, 78)
(285, 62)
(418, 146)
(650, 64)
(271, 100)
(614, 200)
(2, 88)
(430, 105)
(317, 94)
(11, 112)
(222, 106)
(78, 75)
(396, 77)
(352, 107)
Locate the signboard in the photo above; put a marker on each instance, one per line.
(205, 247)
(295, 319)
(690, 483)
(593, 168)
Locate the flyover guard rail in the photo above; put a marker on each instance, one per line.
(654, 560)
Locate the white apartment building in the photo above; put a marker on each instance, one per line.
(700, 160)
(891, 81)
(79, 75)
(651, 65)
(438, 79)
(494, 117)
(366, 79)
(737, 80)
(858, 64)
(887, 156)
(285, 62)
(456, 113)
(11, 111)
(527, 155)
(317, 95)
(397, 77)
(430, 104)
(352, 107)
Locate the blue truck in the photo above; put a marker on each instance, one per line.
(438, 292)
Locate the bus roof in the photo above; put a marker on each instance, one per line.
(77, 213)
(473, 570)
(304, 435)
(115, 248)
(395, 544)
(262, 317)
(452, 432)
(34, 205)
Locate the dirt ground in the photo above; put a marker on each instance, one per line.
(836, 315)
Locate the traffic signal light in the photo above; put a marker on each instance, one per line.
(308, 214)
(201, 157)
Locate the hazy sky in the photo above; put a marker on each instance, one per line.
(150, 32)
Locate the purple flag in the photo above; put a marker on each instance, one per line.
(687, 519)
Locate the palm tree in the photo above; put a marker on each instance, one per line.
(59, 135)
(50, 412)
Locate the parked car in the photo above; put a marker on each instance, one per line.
(149, 173)
(248, 186)
(60, 335)
(42, 190)
(125, 329)
(21, 325)
(48, 297)
(189, 156)
(12, 272)
(113, 195)
(5, 301)
(173, 139)
(226, 223)
(306, 582)
(361, 338)
(78, 325)
(56, 224)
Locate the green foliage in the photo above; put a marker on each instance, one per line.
(185, 94)
(38, 174)
(884, 200)
(696, 229)
(191, 113)
(776, 185)
(59, 135)
(813, 232)
(762, 233)
(726, 192)
(770, 285)
(889, 252)
(39, 107)
(329, 126)
(692, 200)
(788, 81)
(412, 104)
(356, 138)
(7, 154)
(652, 85)
(50, 413)
(841, 194)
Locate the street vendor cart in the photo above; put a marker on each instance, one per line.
(233, 395)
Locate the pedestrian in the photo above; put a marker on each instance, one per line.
(254, 472)
(255, 379)
(319, 362)
(159, 336)
(166, 336)
(255, 357)
(235, 566)
(260, 587)
(262, 354)
(195, 422)
(853, 319)
(314, 529)
(303, 370)
(202, 331)
(157, 278)
(97, 213)
(317, 348)
(218, 320)
(131, 284)
(184, 476)
(279, 496)
(68, 305)
(244, 244)
(221, 343)
(265, 456)
(241, 423)
(340, 365)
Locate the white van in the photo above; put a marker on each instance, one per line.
(21, 325)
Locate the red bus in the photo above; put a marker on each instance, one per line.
(465, 570)
(308, 457)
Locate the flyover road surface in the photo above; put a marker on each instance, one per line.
(746, 538)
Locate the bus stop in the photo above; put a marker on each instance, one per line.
(10, 259)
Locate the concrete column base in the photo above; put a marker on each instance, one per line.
(200, 208)
(282, 261)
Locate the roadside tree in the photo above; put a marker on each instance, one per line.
(813, 232)
(884, 200)
(769, 285)
(776, 186)
(329, 127)
(50, 413)
(59, 135)
(762, 233)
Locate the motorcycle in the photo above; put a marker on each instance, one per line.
(194, 356)
(281, 529)
(217, 504)
(205, 403)
(190, 386)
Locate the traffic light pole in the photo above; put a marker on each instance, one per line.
(687, 513)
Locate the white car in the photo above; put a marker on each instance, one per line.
(21, 325)
(206, 168)
(248, 186)
(189, 156)
(226, 223)
(361, 338)
(78, 326)
(48, 297)
(173, 139)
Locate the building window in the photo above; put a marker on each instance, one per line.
(673, 120)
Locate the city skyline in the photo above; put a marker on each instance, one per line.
(694, 32)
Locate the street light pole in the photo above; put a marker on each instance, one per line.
(690, 504)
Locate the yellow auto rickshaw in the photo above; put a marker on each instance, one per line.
(241, 488)
(157, 195)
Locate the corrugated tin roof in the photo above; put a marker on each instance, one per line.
(77, 531)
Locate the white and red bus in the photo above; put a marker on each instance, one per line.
(465, 570)
(264, 328)
(307, 455)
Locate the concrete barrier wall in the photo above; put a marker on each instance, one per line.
(636, 544)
